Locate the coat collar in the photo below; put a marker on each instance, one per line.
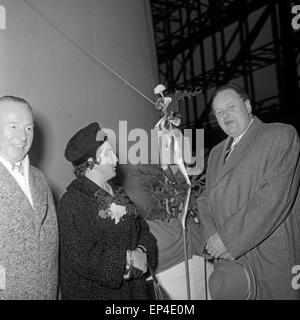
(239, 152)
(87, 188)
(11, 185)
(39, 197)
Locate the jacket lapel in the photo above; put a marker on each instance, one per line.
(15, 194)
(239, 152)
(216, 162)
(11, 185)
(39, 197)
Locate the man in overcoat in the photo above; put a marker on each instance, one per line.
(28, 224)
(252, 205)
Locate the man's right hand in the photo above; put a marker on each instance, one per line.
(215, 246)
(227, 256)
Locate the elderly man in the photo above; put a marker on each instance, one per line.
(28, 225)
(251, 209)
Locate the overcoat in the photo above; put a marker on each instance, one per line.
(28, 239)
(93, 248)
(252, 201)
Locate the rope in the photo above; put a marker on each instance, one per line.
(86, 50)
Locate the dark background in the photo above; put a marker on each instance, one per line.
(206, 43)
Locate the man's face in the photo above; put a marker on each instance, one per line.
(16, 130)
(232, 113)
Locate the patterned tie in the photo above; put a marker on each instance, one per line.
(232, 144)
(19, 167)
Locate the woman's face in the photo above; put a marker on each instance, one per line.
(106, 161)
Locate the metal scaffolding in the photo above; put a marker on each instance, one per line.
(206, 43)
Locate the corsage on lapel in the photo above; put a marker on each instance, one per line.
(114, 207)
(115, 212)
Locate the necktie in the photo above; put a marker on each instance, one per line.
(232, 144)
(15, 166)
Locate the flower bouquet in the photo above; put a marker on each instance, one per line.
(167, 197)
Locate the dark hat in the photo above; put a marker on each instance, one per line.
(232, 280)
(84, 144)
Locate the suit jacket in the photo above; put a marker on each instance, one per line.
(253, 202)
(28, 239)
(93, 249)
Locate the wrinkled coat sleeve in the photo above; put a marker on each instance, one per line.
(272, 200)
(103, 260)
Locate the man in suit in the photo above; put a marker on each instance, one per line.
(28, 225)
(252, 203)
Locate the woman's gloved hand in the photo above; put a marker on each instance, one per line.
(136, 263)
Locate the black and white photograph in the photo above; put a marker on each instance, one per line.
(150, 152)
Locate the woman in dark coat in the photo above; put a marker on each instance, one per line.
(105, 244)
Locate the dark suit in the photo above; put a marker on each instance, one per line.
(253, 202)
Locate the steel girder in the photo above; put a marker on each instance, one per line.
(184, 29)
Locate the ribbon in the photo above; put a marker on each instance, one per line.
(170, 140)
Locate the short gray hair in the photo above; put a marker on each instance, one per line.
(17, 100)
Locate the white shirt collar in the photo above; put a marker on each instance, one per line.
(237, 139)
(8, 164)
(22, 180)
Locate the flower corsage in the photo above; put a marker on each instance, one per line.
(115, 207)
(115, 212)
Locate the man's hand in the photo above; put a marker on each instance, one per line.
(227, 256)
(215, 247)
